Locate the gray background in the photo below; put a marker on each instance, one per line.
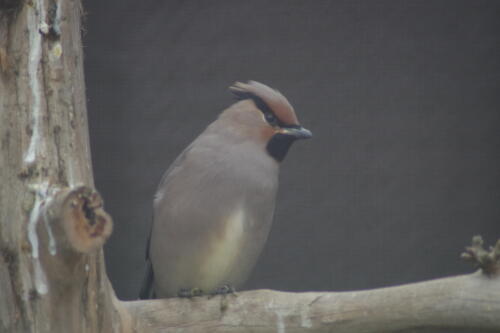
(402, 97)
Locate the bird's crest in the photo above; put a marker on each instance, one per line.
(266, 99)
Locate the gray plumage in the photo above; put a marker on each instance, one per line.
(214, 206)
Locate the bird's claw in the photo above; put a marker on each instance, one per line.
(224, 290)
(189, 293)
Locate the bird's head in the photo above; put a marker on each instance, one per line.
(265, 115)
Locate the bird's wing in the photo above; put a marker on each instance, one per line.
(147, 291)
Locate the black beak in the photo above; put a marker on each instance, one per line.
(298, 132)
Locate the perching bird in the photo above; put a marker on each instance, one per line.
(214, 205)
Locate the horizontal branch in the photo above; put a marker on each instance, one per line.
(466, 301)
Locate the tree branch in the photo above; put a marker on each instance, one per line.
(467, 301)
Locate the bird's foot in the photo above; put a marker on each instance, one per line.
(224, 290)
(189, 293)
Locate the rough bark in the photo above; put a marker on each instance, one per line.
(52, 222)
(45, 285)
(469, 301)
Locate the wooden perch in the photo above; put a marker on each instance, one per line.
(467, 301)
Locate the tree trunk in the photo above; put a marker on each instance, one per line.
(49, 282)
(52, 222)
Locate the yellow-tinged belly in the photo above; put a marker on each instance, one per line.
(222, 255)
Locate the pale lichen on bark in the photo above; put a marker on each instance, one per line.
(36, 21)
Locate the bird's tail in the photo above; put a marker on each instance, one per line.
(147, 283)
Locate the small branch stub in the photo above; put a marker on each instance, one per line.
(85, 223)
(487, 261)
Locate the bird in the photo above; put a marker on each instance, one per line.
(214, 205)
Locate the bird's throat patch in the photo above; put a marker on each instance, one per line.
(278, 146)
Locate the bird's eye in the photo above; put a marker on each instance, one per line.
(271, 119)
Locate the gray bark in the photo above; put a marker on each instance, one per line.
(46, 285)
(53, 226)
(468, 301)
